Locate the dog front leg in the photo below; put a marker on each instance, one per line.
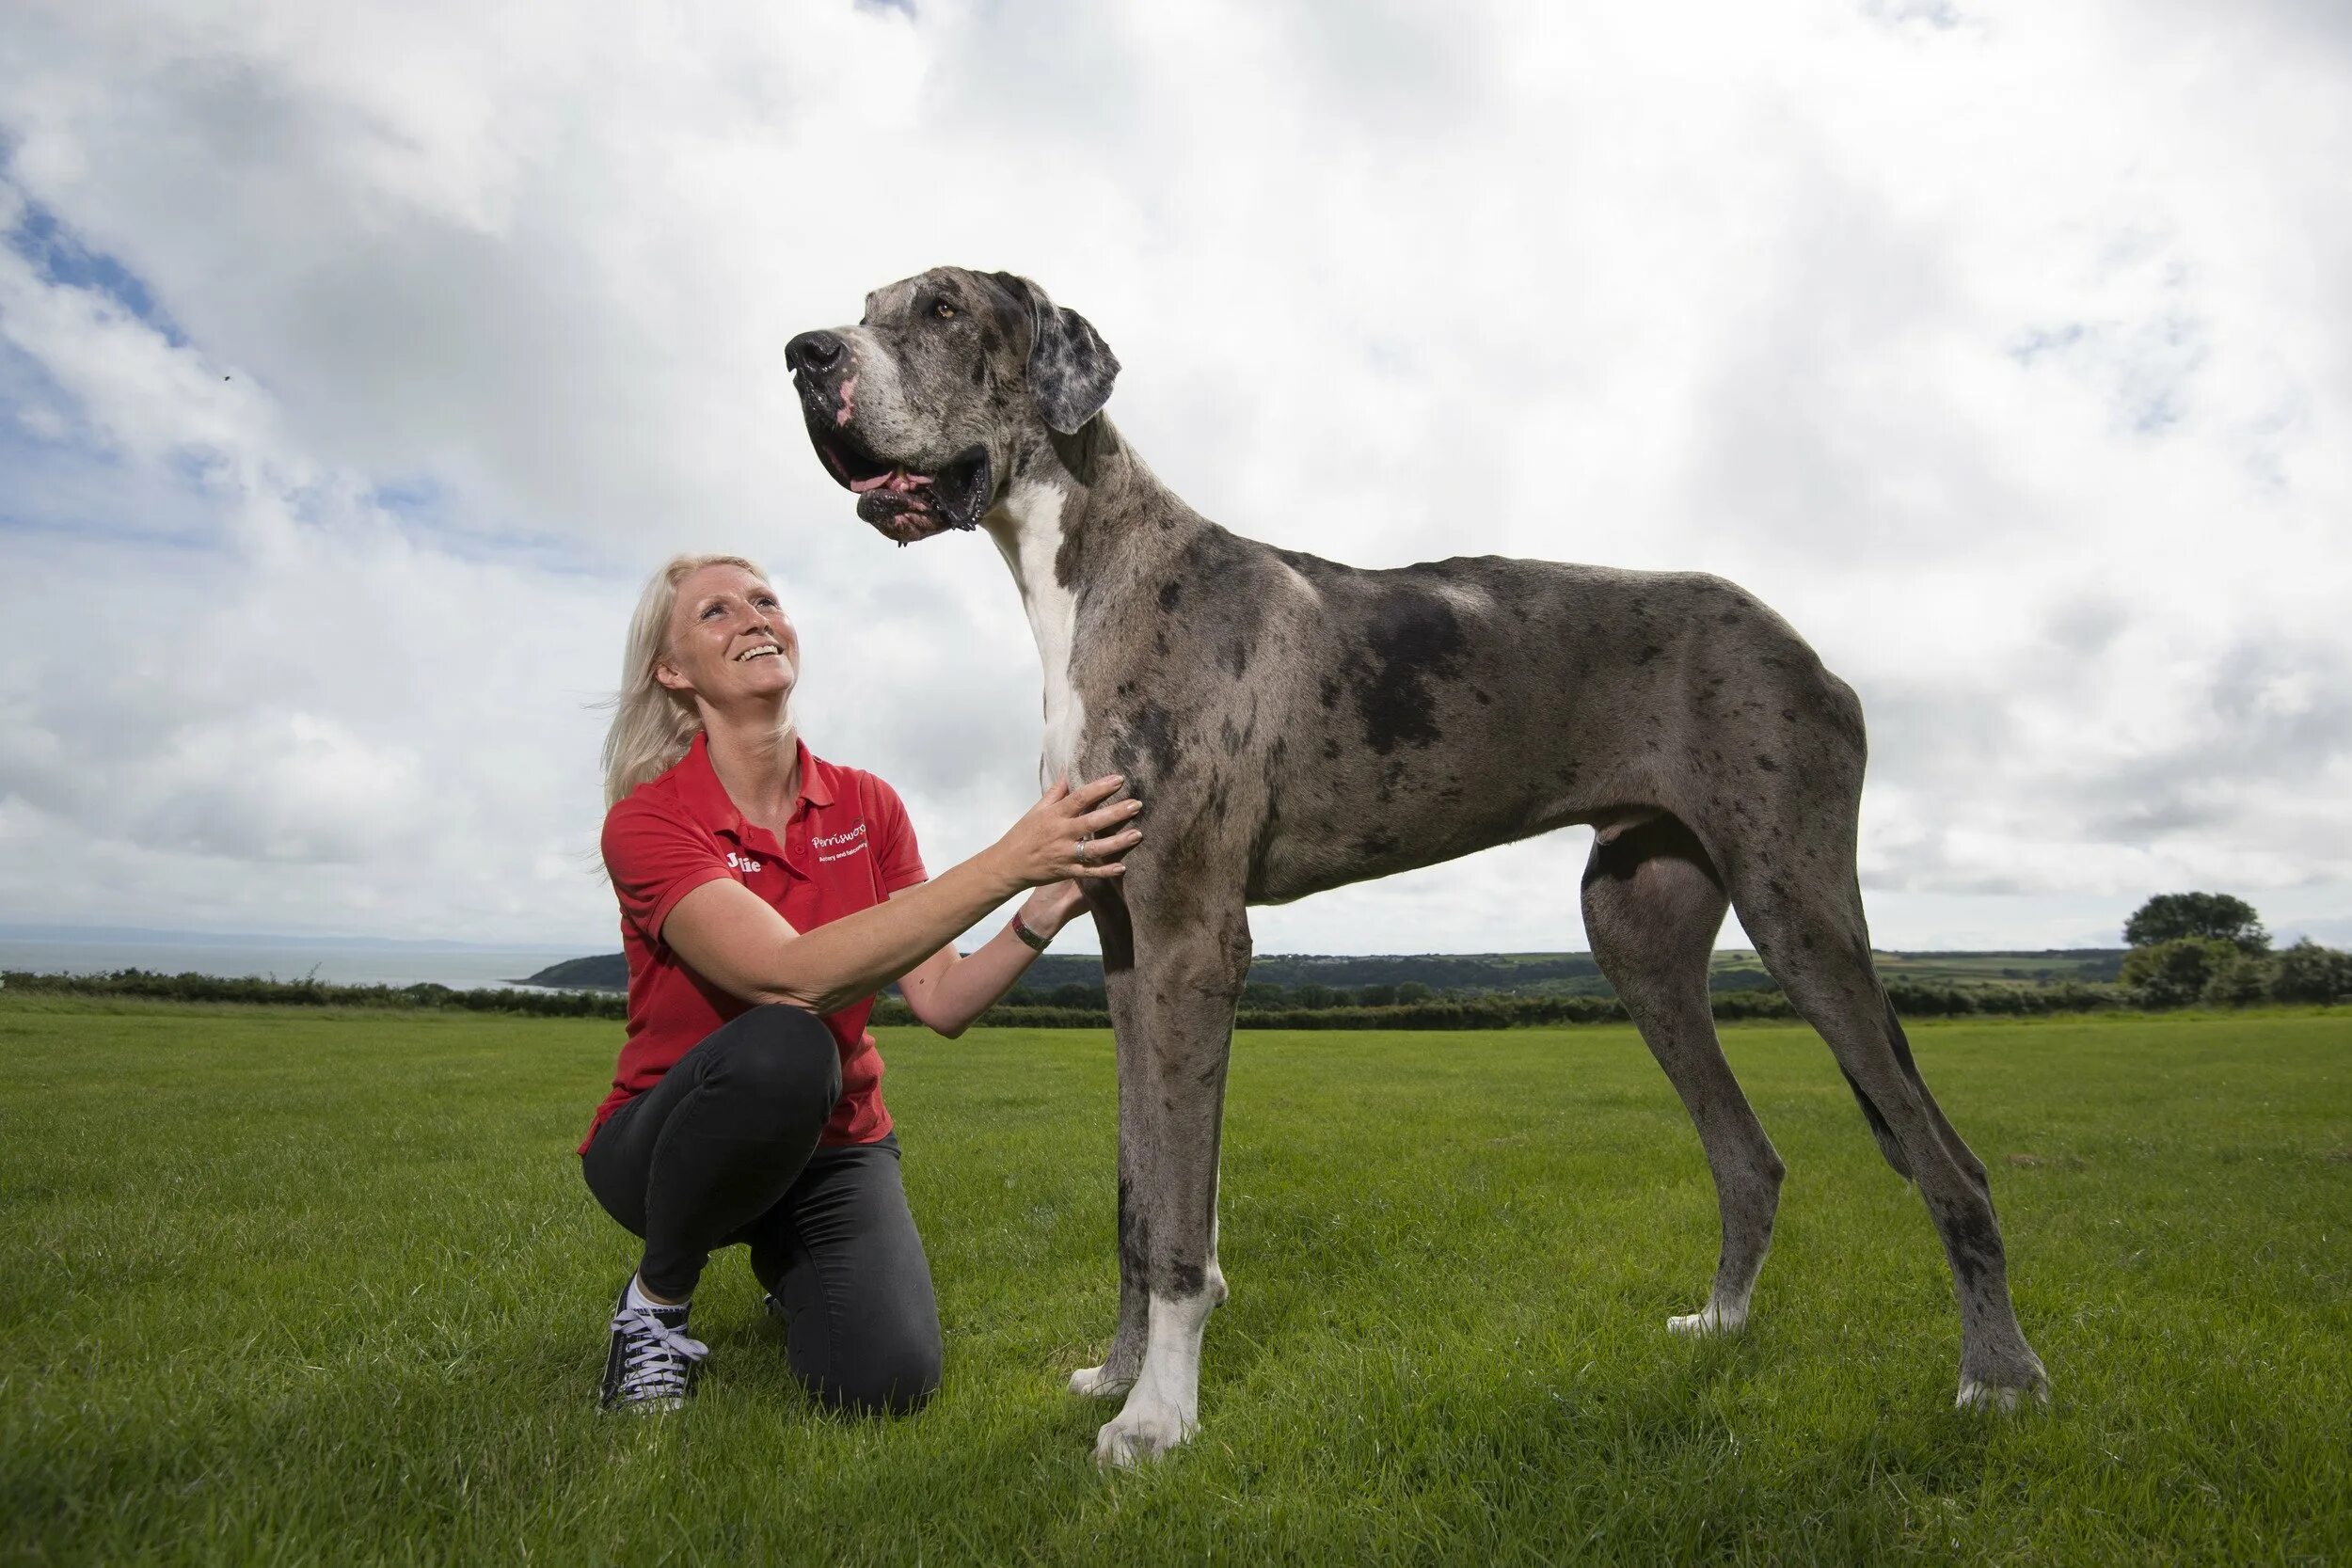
(1116, 1374)
(1174, 1043)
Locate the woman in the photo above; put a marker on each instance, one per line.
(766, 896)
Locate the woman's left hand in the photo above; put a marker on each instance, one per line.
(1048, 908)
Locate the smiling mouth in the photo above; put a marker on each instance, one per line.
(897, 501)
(766, 650)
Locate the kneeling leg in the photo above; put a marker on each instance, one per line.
(841, 1256)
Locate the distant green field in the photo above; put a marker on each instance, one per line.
(301, 1286)
(2021, 969)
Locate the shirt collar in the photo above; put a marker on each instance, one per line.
(707, 799)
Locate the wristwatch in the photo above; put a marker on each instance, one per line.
(1036, 943)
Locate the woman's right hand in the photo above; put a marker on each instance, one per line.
(1068, 833)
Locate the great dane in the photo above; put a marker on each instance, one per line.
(1293, 725)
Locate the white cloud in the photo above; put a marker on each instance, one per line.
(2001, 347)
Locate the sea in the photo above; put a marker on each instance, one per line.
(357, 964)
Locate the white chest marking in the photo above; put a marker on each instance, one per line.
(1026, 526)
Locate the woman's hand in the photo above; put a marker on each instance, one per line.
(1068, 834)
(1052, 907)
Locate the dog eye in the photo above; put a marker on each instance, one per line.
(944, 311)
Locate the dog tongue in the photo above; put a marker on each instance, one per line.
(897, 479)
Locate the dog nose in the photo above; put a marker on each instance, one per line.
(814, 351)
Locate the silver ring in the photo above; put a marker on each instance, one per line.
(1081, 849)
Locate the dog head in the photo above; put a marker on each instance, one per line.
(952, 383)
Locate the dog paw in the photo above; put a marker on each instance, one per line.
(1099, 1383)
(2001, 1398)
(1709, 1319)
(1136, 1434)
(2002, 1379)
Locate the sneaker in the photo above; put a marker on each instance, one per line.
(651, 1364)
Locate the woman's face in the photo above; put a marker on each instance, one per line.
(730, 639)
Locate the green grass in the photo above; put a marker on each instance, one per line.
(285, 1286)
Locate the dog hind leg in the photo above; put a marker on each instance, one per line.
(1812, 937)
(1652, 906)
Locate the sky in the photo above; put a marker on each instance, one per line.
(357, 364)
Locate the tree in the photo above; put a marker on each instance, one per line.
(2175, 974)
(2310, 973)
(2216, 916)
(1412, 990)
(1315, 997)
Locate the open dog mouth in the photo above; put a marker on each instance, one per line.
(900, 502)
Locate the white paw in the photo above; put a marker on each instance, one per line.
(1097, 1383)
(1996, 1397)
(1145, 1430)
(1709, 1319)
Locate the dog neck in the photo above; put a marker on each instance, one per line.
(1053, 528)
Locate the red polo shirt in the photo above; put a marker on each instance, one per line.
(847, 846)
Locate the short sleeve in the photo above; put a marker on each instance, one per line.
(901, 860)
(656, 859)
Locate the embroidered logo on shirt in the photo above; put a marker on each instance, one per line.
(842, 845)
(742, 863)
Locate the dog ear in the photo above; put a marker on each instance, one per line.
(1070, 367)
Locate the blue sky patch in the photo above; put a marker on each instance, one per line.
(60, 258)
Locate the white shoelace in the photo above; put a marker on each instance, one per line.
(656, 1361)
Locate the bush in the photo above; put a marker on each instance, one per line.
(2241, 982)
(2310, 973)
(2175, 974)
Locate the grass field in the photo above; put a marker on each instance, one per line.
(293, 1288)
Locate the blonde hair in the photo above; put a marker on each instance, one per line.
(652, 725)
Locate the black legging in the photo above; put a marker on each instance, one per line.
(724, 1150)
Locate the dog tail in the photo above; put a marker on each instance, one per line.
(1877, 1118)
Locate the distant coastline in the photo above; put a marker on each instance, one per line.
(354, 962)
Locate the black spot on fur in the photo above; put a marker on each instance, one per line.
(1134, 1234)
(1975, 1242)
(1189, 1279)
(1413, 638)
(1483, 698)
(1375, 845)
(1145, 746)
(1649, 651)
(1330, 751)
(1170, 591)
(1329, 693)
(1767, 764)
